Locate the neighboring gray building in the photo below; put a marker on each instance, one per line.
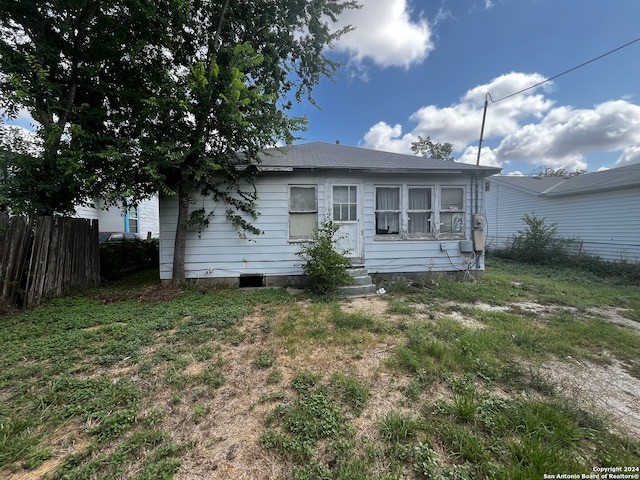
(398, 215)
(601, 210)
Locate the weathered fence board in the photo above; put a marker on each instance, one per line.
(45, 257)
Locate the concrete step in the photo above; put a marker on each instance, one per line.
(361, 280)
(357, 271)
(362, 283)
(357, 289)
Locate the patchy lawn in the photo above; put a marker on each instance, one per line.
(525, 372)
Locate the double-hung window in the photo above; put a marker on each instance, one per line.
(419, 211)
(388, 210)
(131, 219)
(452, 210)
(303, 212)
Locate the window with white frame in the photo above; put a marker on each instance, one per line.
(345, 203)
(388, 210)
(452, 210)
(303, 211)
(418, 212)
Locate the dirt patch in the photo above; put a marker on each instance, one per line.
(607, 390)
(615, 315)
(106, 325)
(372, 304)
(465, 320)
(69, 440)
(227, 438)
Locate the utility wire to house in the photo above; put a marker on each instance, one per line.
(488, 95)
(566, 71)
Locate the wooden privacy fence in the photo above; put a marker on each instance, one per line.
(45, 257)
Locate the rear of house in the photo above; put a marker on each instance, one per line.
(600, 210)
(399, 215)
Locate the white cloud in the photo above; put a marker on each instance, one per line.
(565, 135)
(526, 127)
(20, 140)
(487, 156)
(383, 136)
(460, 123)
(629, 155)
(386, 34)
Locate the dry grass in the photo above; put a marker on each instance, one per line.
(221, 427)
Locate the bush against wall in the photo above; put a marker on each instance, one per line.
(325, 267)
(538, 243)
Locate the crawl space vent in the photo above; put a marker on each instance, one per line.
(251, 280)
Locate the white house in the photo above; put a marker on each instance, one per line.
(601, 210)
(143, 219)
(398, 215)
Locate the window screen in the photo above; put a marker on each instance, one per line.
(303, 212)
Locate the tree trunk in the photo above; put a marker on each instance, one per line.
(178, 275)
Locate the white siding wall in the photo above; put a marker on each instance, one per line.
(608, 222)
(149, 217)
(219, 253)
(112, 220)
(88, 212)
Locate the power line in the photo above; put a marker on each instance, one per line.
(488, 95)
(567, 71)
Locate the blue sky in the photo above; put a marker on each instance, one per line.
(424, 67)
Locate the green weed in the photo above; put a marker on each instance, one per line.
(395, 427)
(265, 359)
(351, 392)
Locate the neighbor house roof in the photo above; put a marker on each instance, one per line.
(318, 155)
(606, 180)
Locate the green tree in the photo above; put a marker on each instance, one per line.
(177, 96)
(427, 148)
(81, 69)
(237, 68)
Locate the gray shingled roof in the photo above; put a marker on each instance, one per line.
(606, 180)
(533, 185)
(318, 155)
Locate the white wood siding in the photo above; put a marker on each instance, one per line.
(608, 223)
(219, 253)
(149, 217)
(112, 220)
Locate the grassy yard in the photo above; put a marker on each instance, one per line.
(521, 374)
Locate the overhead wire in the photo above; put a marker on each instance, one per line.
(488, 95)
(566, 71)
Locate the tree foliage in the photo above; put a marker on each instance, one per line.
(557, 172)
(177, 96)
(427, 148)
(80, 68)
(236, 68)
